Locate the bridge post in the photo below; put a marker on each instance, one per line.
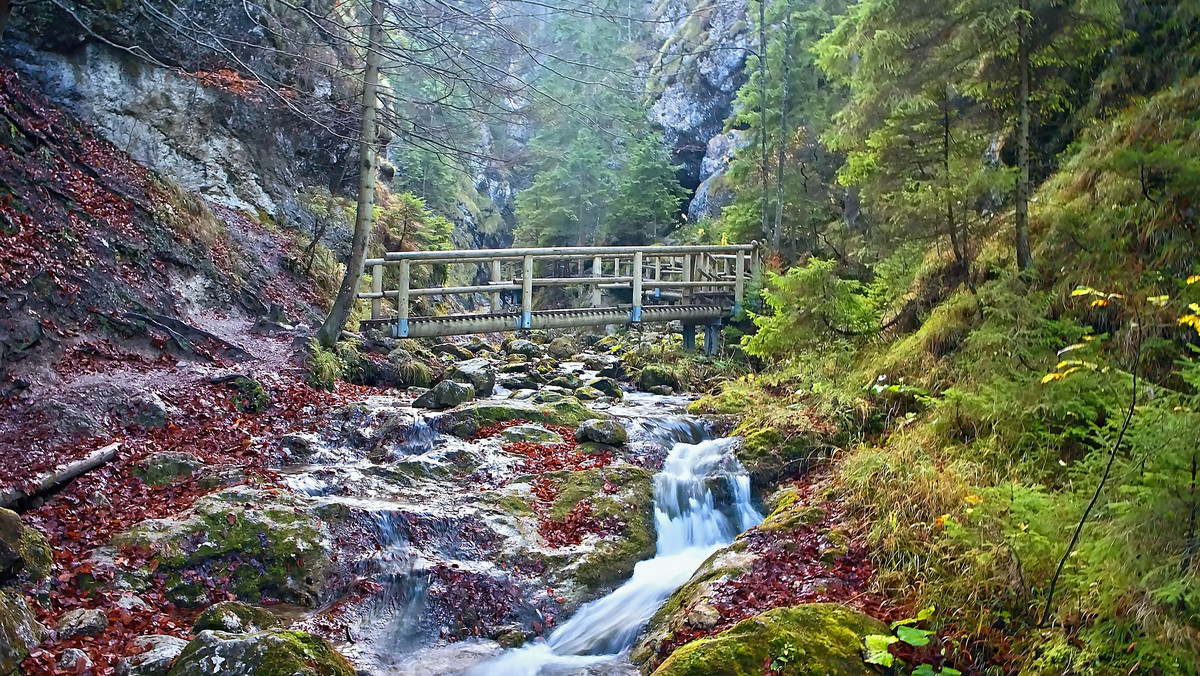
(636, 315)
(712, 337)
(377, 287)
(527, 292)
(689, 337)
(657, 278)
(494, 278)
(739, 280)
(687, 277)
(402, 300)
(597, 271)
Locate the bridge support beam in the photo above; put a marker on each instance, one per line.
(712, 338)
(527, 292)
(689, 337)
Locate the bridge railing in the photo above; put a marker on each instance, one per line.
(712, 277)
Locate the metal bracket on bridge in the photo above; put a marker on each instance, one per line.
(402, 328)
(635, 315)
(526, 320)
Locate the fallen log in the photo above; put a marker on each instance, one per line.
(53, 479)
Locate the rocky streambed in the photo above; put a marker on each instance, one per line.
(531, 516)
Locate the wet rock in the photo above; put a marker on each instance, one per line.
(82, 622)
(703, 615)
(476, 372)
(277, 651)
(454, 350)
(24, 552)
(271, 544)
(158, 652)
(608, 386)
(531, 433)
(467, 420)
(588, 394)
(19, 631)
(563, 347)
(516, 367)
(827, 637)
(520, 381)
(446, 394)
(656, 375)
(527, 348)
(69, 659)
(603, 432)
(300, 446)
(522, 394)
(661, 390)
(236, 617)
(567, 381)
(163, 468)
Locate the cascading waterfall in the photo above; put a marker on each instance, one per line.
(702, 502)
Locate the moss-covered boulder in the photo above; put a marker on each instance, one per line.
(563, 347)
(234, 616)
(157, 652)
(478, 373)
(820, 639)
(657, 375)
(567, 381)
(527, 348)
(621, 494)
(453, 349)
(608, 432)
(277, 652)
(19, 631)
(446, 394)
(467, 420)
(24, 552)
(608, 386)
(271, 545)
(586, 393)
(768, 455)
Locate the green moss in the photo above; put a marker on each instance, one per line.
(820, 639)
(254, 398)
(19, 631)
(234, 616)
(768, 455)
(278, 652)
(469, 419)
(37, 555)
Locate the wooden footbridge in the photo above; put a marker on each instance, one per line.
(695, 285)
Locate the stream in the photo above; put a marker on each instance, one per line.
(430, 528)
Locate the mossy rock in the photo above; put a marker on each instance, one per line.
(657, 375)
(608, 386)
(271, 544)
(531, 434)
(278, 652)
(454, 350)
(24, 551)
(233, 616)
(563, 347)
(467, 420)
(818, 639)
(161, 469)
(588, 394)
(612, 559)
(567, 381)
(769, 456)
(19, 631)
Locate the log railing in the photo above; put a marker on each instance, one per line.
(710, 277)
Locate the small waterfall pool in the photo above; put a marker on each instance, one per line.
(702, 502)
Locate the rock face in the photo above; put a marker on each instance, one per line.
(158, 652)
(19, 631)
(712, 195)
(277, 652)
(821, 639)
(699, 69)
(446, 394)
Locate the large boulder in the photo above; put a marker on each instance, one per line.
(477, 373)
(608, 386)
(563, 347)
(467, 420)
(657, 375)
(19, 631)
(588, 394)
(527, 348)
(158, 651)
(272, 545)
(277, 652)
(236, 617)
(819, 639)
(567, 381)
(24, 552)
(454, 350)
(602, 432)
(446, 394)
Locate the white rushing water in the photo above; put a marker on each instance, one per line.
(702, 502)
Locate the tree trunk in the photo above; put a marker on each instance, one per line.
(328, 334)
(762, 94)
(5, 12)
(1024, 257)
(777, 235)
(956, 243)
